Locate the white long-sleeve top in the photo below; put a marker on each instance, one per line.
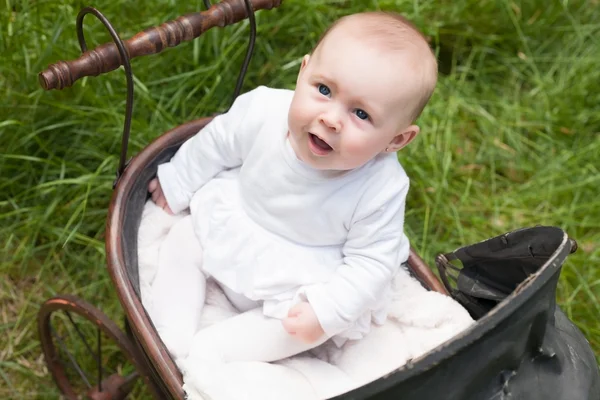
(274, 229)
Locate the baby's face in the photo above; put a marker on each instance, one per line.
(349, 103)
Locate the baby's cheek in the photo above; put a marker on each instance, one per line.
(358, 151)
(294, 117)
(357, 145)
(299, 113)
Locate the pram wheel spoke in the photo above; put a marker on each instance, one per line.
(88, 355)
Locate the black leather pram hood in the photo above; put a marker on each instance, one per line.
(522, 346)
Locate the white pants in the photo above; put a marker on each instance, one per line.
(179, 292)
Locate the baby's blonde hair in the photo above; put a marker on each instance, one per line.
(394, 32)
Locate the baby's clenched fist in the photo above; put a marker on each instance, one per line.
(303, 323)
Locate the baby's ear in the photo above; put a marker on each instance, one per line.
(302, 66)
(304, 61)
(403, 138)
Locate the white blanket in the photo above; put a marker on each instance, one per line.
(418, 321)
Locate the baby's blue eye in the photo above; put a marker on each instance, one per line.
(324, 90)
(362, 114)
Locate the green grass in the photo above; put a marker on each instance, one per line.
(511, 138)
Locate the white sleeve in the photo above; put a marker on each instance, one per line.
(220, 145)
(375, 248)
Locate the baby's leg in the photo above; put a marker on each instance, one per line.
(179, 288)
(250, 336)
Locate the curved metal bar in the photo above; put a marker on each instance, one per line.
(249, 51)
(126, 64)
(447, 271)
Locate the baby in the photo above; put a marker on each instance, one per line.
(297, 199)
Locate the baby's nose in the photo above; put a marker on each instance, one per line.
(331, 120)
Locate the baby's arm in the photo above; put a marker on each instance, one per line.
(373, 252)
(221, 145)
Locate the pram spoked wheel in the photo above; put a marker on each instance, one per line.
(111, 369)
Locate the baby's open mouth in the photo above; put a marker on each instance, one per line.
(318, 145)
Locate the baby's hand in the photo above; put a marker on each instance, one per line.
(158, 197)
(302, 322)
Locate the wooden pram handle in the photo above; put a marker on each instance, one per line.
(106, 57)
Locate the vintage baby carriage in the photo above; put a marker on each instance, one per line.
(521, 347)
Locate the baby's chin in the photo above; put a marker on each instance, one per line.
(327, 164)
